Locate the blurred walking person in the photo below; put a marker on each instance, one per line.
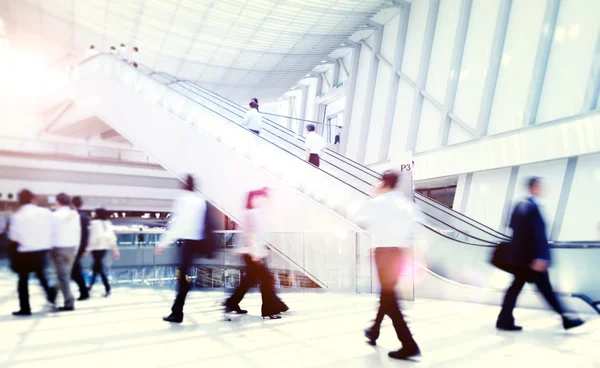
(190, 224)
(391, 220)
(314, 146)
(254, 254)
(77, 272)
(67, 237)
(530, 254)
(102, 239)
(253, 118)
(255, 100)
(31, 229)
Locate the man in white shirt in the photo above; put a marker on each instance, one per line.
(391, 220)
(253, 118)
(188, 221)
(66, 240)
(314, 145)
(31, 228)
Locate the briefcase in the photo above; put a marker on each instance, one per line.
(503, 259)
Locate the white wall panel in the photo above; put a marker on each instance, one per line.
(390, 33)
(429, 128)
(460, 192)
(443, 45)
(311, 104)
(404, 102)
(582, 215)
(380, 98)
(552, 174)
(486, 196)
(475, 63)
(568, 70)
(348, 63)
(364, 63)
(415, 38)
(516, 68)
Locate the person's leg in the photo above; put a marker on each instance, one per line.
(247, 281)
(63, 260)
(506, 320)
(186, 256)
(23, 287)
(390, 260)
(77, 276)
(270, 306)
(38, 268)
(542, 281)
(372, 333)
(100, 269)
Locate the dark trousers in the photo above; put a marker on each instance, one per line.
(77, 276)
(31, 262)
(314, 159)
(258, 272)
(389, 261)
(542, 282)
(254, 131)
(98, 268)
(188, 250)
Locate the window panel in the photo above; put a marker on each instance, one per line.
(458, 134)
(516, 68)
(571, 56)
(402, 114)
(476, 58)
(380, 97)
(443, 46)
(364, 64)
(390, 38)
(429, 128)
(415, 36)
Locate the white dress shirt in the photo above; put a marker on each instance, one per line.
(314, 143)
(102, 236)
(31, 227)
(66, 228)
(391, 219)
(253, 120)
(254, 232)
(187, 219)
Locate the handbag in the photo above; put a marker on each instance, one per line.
(502, 258)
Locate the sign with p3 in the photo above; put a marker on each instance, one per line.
(403, 163)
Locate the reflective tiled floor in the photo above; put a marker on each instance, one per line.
(322, 330)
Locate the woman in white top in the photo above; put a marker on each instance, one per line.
(255, 253)
(102, 238)
(253, 118)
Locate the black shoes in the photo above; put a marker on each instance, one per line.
(273, 316)
(107, 294)
(405, 354)
(507, 327)
(65, 309)
(372, 335)
(174, 318)
(235, 309)
(21, 313)
(569, 323)
(83, 297)
(51, 296)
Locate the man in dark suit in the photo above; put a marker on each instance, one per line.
(531, 255)
(76, 272)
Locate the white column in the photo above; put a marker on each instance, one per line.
(350, 99)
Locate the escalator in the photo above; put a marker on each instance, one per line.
(185, 128)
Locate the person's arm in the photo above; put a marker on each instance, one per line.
(14, 229)
(307, 148)
(542, 249)
(85, 233)
(171, 235)
(113, 240)
(246, 121)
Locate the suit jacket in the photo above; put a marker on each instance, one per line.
(529, 240)
(85, 233)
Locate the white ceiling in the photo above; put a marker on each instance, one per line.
(238, 48)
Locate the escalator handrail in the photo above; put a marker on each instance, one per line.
(472, 222)
(290, 142)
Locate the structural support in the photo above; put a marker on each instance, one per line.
(466, 192)
(564, 198)
(324, 76)
(592, 91)
(303, 105)
(344, 67)
(489, 89)
(291, 104)
(413, 128)
(336, 73)
(510, 193)
(455, 66)
(350, 94)
(541, 62)
(365, 121)
(388, 122)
